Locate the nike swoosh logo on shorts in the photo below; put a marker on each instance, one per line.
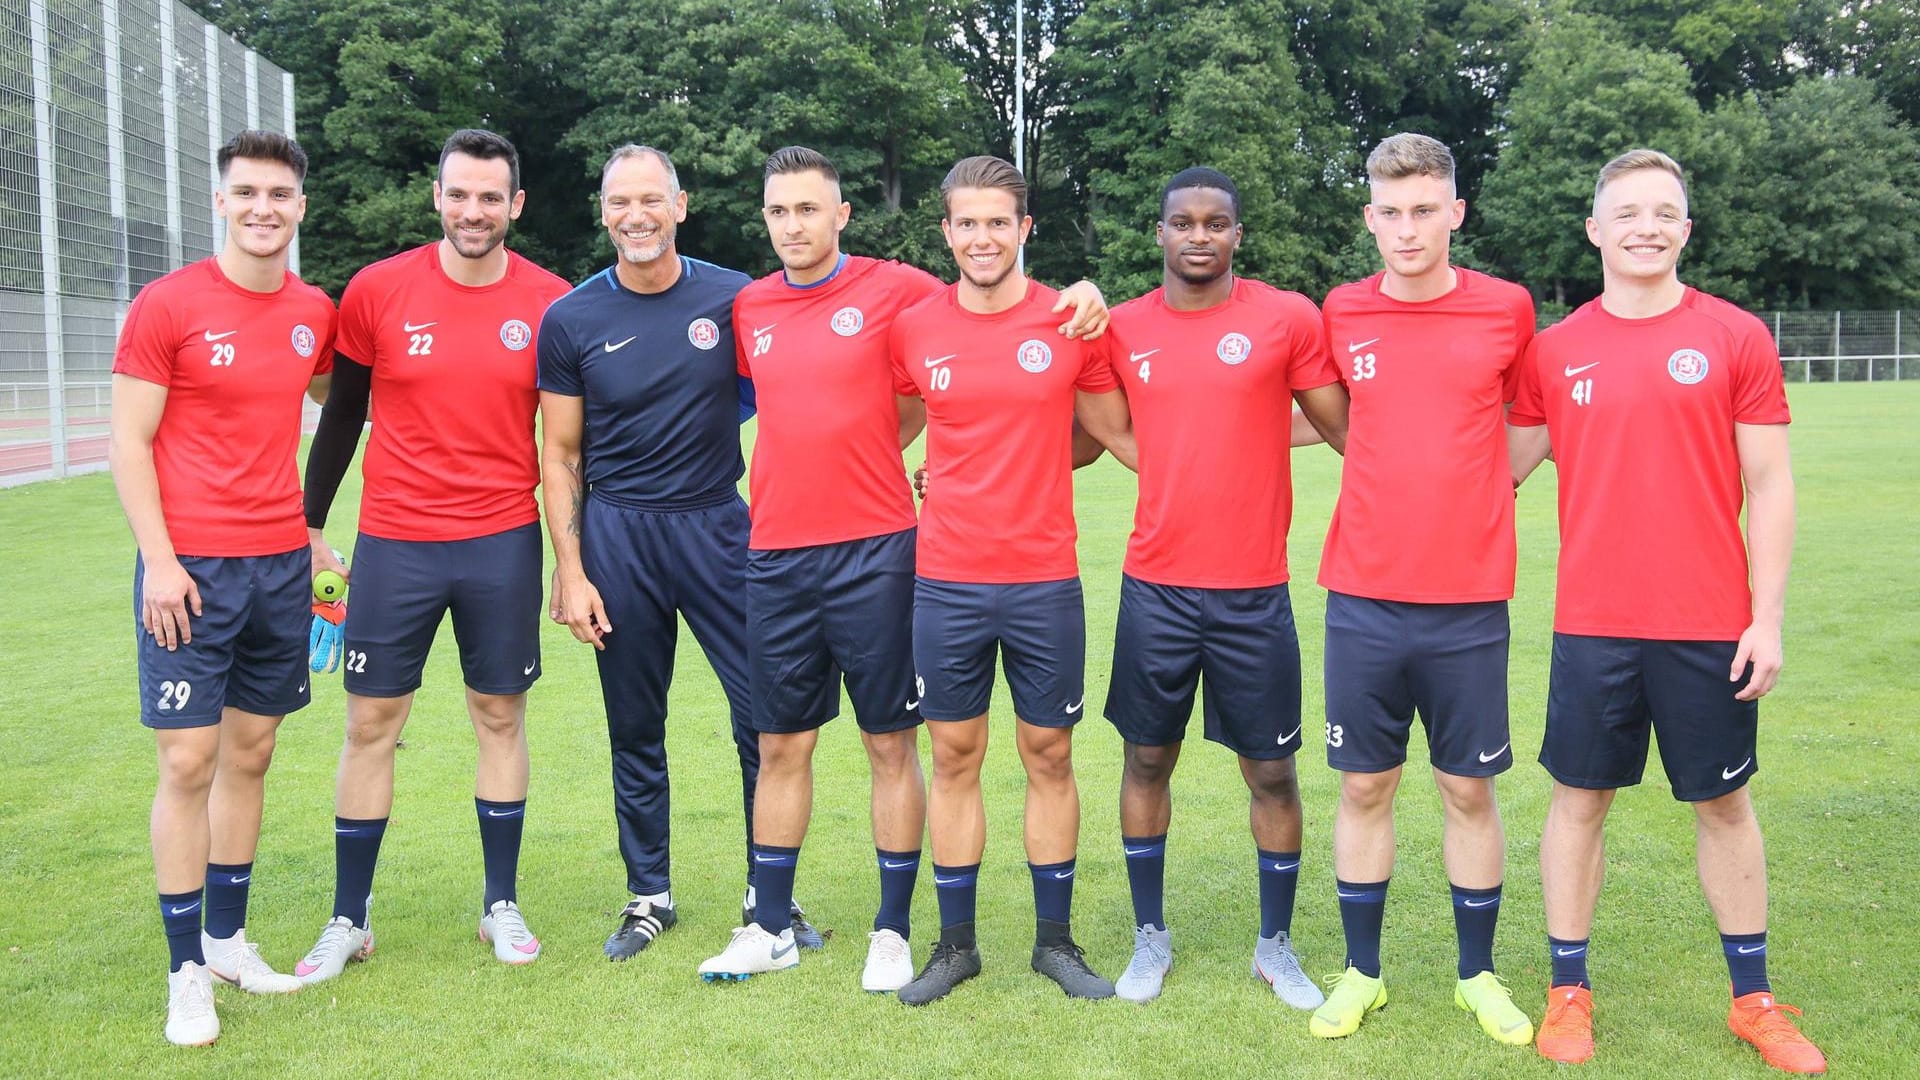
(1572, 371)
(211, 336)
(912, 704)
(1728, 774)
(1484, 757)
(1136, 357)
(528, 670)
(1354, 347)
(1076, 706)
(410, 327)
(1288, 737)
(936, 361)
(302, 690)
(612, 346)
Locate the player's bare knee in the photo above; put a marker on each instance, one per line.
(1579, 807)
(1369, 792)
(1276, 782)
(1150, 766)
(1468, 798)
(373, 731)
(187, 769)
(958, 754)
(1048, 755)
(786, 754)
(1731, 811)
(894, 755)
(496, 716)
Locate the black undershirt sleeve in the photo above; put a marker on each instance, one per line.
(336, 436)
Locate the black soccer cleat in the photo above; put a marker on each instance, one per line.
(804, 935)
(948, 967)
(640, 923)
(1066, 964)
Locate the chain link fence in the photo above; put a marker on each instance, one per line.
(111, 113)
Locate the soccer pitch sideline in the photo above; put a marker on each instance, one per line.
(83, 957)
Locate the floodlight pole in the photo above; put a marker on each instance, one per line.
(1020, 101)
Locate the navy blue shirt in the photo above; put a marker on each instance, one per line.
(658, 375)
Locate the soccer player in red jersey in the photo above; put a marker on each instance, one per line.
(996, 570)
(829, 585)
(207, 382)
(442, 335)
(1211, 364)
(1661, 405)
(1418, 567)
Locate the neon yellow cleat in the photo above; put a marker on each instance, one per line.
(1491, 1003)
(1353, 996)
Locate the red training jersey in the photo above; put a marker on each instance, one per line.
(1212, 399)
(452, 454)
(1000, 392)
(1425, 513)
(236, 364)
(1641, 413)
(826, 461)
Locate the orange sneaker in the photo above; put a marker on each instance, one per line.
(1567, 1033)
(1762, 1021)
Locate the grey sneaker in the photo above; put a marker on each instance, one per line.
(1273, 960)
(1152, 959)
(1066, 964)
(948, 967)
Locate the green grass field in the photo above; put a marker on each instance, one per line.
(81, 954)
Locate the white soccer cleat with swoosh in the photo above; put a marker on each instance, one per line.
(752, 951)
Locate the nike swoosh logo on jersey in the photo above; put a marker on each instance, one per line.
(1134, 358)
(1354, 347)
(1572, 371)
(211, 336)
(1076, 706)
(1483, 902)
(1485, 757)
(936, 361)
(612, 346)
(1749, 950)
(767, 330)
(1728, 774)
(412, 327)
(1288, 737)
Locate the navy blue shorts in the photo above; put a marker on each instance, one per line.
(1386, 660)
(1039, 629)
(820, 612)
(249, 647)
(403, 589)
(1242, 641)
(1606, 693)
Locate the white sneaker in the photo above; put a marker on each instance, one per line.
(190, 1017)
(752, 951)
(1152, 959)
(1273, 960)
(503, 928)
(237, 962)
(340, 942)
(889, 963)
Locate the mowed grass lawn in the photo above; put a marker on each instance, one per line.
(81, 953)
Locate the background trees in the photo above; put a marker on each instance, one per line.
(1794, 117)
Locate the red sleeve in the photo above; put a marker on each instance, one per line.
(329, 331)
(917, 284)
(1759, 386)
(1523, 324)
(1096, 367)
(740, 359)
(902, 383)
(1326, 332)
(149, 341)
(1528, 408)
(358, 313)
(1312, 365)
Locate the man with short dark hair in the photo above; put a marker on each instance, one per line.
(829, 585)
(1212, 365)
(441, 335)
(996, 569)
(207, 381)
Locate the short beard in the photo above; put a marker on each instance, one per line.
(989, 286)
(641, 256)
(492, 241)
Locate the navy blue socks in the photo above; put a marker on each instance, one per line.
(500, 826)
(773, 870)
(1052, 891)
(1746, 962)
(1279, 880)
(1475, 913)
(1569, 962)
(227, 898)
(1363, 906)
(1147, 878)
(180, 915)
(898, 872)
(356, 848)
(956, 887)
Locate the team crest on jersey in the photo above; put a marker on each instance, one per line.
(703, 333)
(848, 321)
(303, 340)
(1035, 355)
(1687, 366)
(515, 334)
(1234, 349)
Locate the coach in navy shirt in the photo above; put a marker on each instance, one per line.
(640, 406)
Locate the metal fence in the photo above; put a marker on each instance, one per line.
(111, 114)
(1847, 346)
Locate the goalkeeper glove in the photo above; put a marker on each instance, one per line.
(323, 641)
